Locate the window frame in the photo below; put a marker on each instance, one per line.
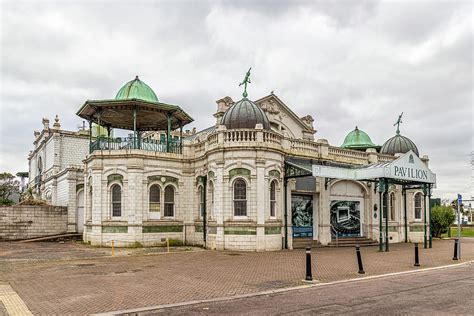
(160, 193)
(234, 200)
(391, 208)
(201, 200)
(111, 190)
(419, 207)
(273, 202)
(165, 203)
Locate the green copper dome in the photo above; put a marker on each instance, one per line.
(358, 140)
(136, 89)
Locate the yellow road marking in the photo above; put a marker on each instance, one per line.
(12, 301)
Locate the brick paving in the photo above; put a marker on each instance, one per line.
(89, 282)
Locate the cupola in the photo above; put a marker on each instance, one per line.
(358, 140)
(136, 89)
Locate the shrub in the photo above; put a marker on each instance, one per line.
(441, 218)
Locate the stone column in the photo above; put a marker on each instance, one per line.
(133, 210)
(96, 205)
(261, 196)
(72, 201)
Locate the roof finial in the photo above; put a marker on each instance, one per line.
(246, 80)
(398, 122)
(136, 77)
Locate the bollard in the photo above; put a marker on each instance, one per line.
(359, 260)
(309, 274)
(113, 252)
(455, 257)
(417, 259)
(168, 244)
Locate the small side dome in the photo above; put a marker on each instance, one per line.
(398, 144)
(136, 89)
(245, 114)
(358, 140)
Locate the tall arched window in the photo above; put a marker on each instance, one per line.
(211, 195)
(155, 195)
(418, 205)
(273, 198)
(201, 201)
(169, 201)
(392, 206)
(116, 200)
(240, 198)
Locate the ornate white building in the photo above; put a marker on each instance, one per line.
(256, 180)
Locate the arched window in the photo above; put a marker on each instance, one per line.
(211, 195)
(40, 166)
(201, 201)
(116, 200)
(240, 198)
(169, 201)
(392, 206)
(418, 205)
(273, 198)
(155, 194)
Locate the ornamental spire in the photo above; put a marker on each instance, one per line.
(245, 82)
(398, 122)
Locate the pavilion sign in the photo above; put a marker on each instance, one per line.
(407, 167)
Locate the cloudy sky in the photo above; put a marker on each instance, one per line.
(346, 63)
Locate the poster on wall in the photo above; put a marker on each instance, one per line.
(302, 215)
(345, 219)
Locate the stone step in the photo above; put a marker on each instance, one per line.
(352, 242)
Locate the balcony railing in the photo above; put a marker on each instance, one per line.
(125, 143)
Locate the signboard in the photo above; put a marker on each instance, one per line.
(459, 199)
(407, 167)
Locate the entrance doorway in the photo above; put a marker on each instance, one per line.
(80, 212)
(302, 215)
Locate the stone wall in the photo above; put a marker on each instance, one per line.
(24, 222)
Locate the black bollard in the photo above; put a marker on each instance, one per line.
(309, 274)
(417, 259)
(359, 260)
(456, 249)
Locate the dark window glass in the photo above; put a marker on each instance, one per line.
(116, 200)
(272, 199)
(169, 201)
(392, 206)
(155, 198)
(418, 205)
(240, 198)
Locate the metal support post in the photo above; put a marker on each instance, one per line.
(456, 246)
(309, 274)
(417, 259)
(386, 215)
(359, 260)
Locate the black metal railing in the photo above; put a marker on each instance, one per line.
(131, 142)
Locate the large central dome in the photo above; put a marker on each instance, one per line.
(245, 114)
(136, 89)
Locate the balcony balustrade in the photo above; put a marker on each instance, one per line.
(131, 142)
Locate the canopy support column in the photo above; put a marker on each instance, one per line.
(404, 192)
(429, 212)
(168, 132)
(90, 136)
(380, 215)
(285, 188)
(180, 138)
(135, 127)
(425, 241)
(386, 214)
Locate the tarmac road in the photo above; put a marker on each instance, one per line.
(442, 291)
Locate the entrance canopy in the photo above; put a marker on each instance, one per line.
(408, 168)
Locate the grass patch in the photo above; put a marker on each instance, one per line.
(465, 232)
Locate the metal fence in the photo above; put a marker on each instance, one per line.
(132, 142)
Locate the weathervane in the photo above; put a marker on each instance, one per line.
(398, 122)
(246, 80)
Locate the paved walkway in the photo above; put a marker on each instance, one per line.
(88, 282)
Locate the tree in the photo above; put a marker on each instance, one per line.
(8, 186)
(441, 218)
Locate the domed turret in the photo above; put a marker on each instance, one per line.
(398, 144)
(358, 140)
(245, 114)
(136, 89)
